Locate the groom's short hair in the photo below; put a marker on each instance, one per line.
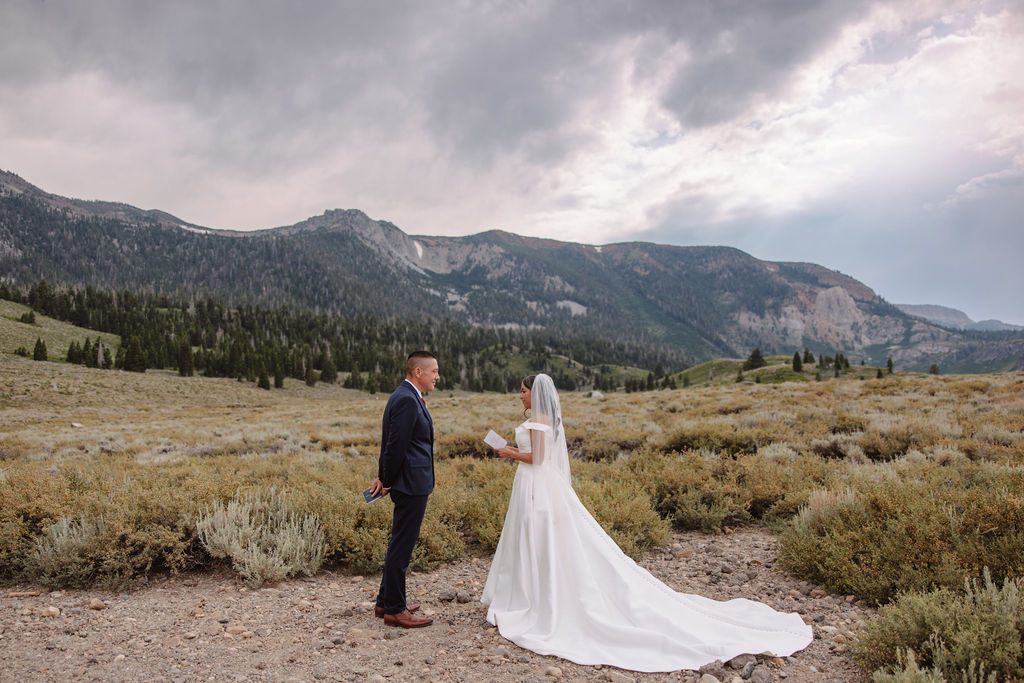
(417, 359)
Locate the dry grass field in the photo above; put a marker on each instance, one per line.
(892, 490)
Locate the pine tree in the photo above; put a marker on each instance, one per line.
(878, 374)
(933, 370)
(264, 380)
(134, 361)
(39, 352)
(279, 374)
(328, 373)
(798, 365)
(310, 375)
(755, 360)
(186, 362)
(74, 353)
(888, 364)
(808, 356)
(88, 354)
(354, 380)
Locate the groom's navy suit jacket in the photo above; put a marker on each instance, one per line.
(407, 444)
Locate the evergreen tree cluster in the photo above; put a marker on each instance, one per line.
(256, 344)
(95, 355)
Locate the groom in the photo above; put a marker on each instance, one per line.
(406, 471)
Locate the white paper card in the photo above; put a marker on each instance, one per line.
(494, 440)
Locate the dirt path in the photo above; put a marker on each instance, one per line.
(211, 628)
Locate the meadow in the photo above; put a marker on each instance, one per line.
(905, 491)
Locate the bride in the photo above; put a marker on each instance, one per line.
(560, 586)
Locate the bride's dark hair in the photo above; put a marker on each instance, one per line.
(528, 383)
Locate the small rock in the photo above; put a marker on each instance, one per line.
(818, 593)
(447, 595)
(618, 677)
(715, 668)
(236, 630)
(119, 658)
(760, 674)
(222, 620)
(51, 612)
(741, 661)
(553, 672)
(707, 678)
(190, 635)
(463, 597)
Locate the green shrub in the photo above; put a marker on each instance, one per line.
(719, 437)
(461, 445)
(264, 539)
(68, 552)
(623, 509)
(909, 526)
(977, 630)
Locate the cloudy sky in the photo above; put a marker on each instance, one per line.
(884, 140)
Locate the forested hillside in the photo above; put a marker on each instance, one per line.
(364, 351)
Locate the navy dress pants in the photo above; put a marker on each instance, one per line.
(405, 530)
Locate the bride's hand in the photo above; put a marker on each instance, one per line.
(507, 452)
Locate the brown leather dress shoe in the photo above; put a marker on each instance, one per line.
(379, 611)
(407, 620)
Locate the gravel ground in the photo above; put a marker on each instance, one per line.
(211, 627)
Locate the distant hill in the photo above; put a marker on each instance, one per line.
(954, 319)
(690, 303)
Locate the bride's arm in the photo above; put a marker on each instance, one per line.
(513, 452)
(537, 445)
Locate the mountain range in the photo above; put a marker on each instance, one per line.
(955, 319)
(696, 302)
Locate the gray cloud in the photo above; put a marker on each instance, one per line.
(569, 118)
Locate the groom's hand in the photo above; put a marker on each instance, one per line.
(378, 488)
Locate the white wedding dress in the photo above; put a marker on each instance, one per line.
(559, 585)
